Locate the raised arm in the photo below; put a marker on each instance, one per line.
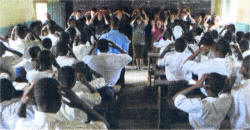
(146, 19)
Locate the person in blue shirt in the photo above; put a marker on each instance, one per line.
(117, 37)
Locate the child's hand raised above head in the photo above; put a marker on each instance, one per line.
(201, 81)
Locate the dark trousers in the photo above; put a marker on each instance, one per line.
(108, 96)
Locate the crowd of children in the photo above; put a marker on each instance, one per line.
(53, 77)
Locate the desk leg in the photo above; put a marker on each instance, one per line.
(159, 107)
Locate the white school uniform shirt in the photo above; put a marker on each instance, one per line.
(81, 50)
(49, 121)
(9, 110)
(223, 66)
(35, 75)
(246, 53)
(28, 64)
(173, 65)
(240, 110)
(65, 61)
(54, 39)
(108, 65)
(207, 113)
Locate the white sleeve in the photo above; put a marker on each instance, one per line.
(188, 105)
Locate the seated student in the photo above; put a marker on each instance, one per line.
(63, 59)
(44, 67)
(82, 48)
(110, 67)
(220, 64)
(47, 44)
(33, 37)
(240, 110)
(51, 33)
(174, 62)
(86, 85)
(238, 36)
(9, 103)
(198, 34)
(207, 113)
(30, 64)
(7, 63)
(20, 44)
(45, 93)
(190, 41)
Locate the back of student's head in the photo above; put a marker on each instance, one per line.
(217, 83)
(21, 31)
(83, 69)
(46, 95)
(6, 90)
(189, 37)
(83, 37)
(114, 22)
(47, 43)
(34, 51)
(206, 40)
(231, 27)
(228, 36)
(239, 36)
(45, 60)
(36, 27)
(61, 49)
(180, 45)
(66, 76)
(246, 36)
(222, 47)
(103, 45)
(72, 33)
(51, 27)
(244, 45)
(198, 31)
(214, 34)
(245, 68)
(64, 37)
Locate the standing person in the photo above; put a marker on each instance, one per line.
(119, 39)
(138, 24)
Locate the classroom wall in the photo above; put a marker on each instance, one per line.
(243, 16)
(13, 12)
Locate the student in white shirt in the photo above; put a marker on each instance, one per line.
(62, 58)
(67, 79)
(7, 63)
(9, 104)
(44, 67)
(87, 84)
(109, 66)
(221, 64)
(240, 110)
(46, 93)
(30, 64)
(207, 113)
(53, 37)
(174, 62)
(244, 47)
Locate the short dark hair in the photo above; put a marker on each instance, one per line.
(66, 76)
(228, 36)
(6, 90)
(45, 60)
(47, 43)
(198, 31)
(214, 34)
(231, 27)
(244, 45)
(216, 81)
(246, 63)
(61, 49)
(180, 45)
(189, 37)
(34, 51)
(222, 46)
(51, 27)
(84, 69)
(114, 22)
(47, 96)
(239, 36)
(21, 31)
(103, 45)
(206, 40)
(246, 36)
